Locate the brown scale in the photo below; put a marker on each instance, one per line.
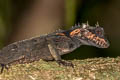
(60, 39)
(22, 61)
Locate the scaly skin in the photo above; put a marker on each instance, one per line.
(52, 46)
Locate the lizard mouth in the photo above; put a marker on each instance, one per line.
(97, 41)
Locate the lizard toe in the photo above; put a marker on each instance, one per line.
(65, 63)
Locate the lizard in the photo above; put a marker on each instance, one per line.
(52, 46)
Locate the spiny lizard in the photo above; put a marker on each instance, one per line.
(52, 46)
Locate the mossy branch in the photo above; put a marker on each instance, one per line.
(88, 69)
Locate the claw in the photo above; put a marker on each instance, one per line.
(64, 63)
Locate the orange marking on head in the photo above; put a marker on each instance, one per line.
(61, 34)
(103, 41)
(92, 36)
(100, 39)
(76, 31)
(89, 35)
(97, 39)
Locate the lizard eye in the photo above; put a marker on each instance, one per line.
(99, 32)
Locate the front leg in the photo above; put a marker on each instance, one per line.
(57, 57)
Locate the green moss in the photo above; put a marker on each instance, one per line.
(97, 68)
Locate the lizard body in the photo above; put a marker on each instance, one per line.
(52, 46)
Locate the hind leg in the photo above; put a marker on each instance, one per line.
(3, 67)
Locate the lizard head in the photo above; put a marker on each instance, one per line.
(89, 35)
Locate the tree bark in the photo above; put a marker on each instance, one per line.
(87, 69)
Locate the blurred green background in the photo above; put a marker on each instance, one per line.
(21, 19)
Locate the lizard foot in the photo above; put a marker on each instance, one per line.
(65, 63)
(3, 67)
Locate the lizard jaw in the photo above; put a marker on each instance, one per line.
(97, 41)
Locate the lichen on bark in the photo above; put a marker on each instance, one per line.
(87, 69)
